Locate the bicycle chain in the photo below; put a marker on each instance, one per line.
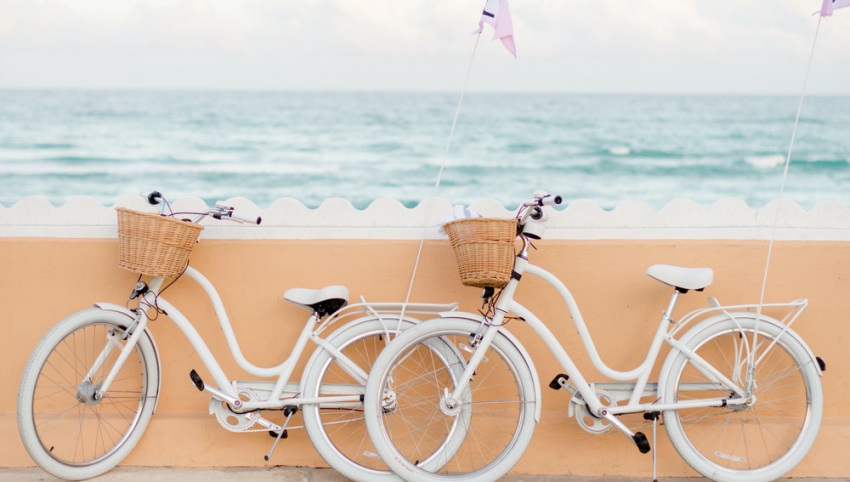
(292, 427)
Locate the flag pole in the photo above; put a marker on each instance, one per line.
(782, 191)
(439, 178)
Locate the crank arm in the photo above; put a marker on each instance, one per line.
(234, 402)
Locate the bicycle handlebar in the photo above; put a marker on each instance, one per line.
(543, 198)
(221, 211)
(534, 209)
(225, 211)
(245, 218)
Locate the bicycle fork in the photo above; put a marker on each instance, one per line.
(134, 330)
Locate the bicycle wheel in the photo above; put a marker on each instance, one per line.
(757, 442)
(67, 431)
(338, 431)
(421, 434)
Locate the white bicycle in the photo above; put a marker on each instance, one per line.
(739, 393)
(92, 383)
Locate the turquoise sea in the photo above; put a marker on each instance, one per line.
(362, 146)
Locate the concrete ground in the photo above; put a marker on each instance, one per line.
(292, 474)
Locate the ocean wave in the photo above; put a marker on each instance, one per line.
(820, 163)
(26, 146)
(641, 152)
(363, 146)
(813, 162)
(163, 170)
(765, 162)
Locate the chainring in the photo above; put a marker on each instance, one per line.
(235, 422)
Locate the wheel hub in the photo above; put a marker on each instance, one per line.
(449, 406)
(741, 407)
(389, 403)
(87, 393)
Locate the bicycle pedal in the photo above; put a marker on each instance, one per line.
(196, 380)
(559, 381)
(641, 442)
(274, 434)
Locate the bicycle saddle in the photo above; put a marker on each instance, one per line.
(324, 301)
(682, 278)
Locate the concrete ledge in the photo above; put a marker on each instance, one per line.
(729, 218)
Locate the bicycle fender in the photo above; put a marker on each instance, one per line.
(476, 317)
(695, 331)
(392, 318)
(123, 310)
(116, 308)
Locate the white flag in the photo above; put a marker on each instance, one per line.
(830, 5)
(497, 14)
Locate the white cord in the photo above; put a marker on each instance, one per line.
(439, 177)
(782, 190)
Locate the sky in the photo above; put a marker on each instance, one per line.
(599, 46)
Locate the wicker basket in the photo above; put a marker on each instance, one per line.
(155, 245)
(484, 249)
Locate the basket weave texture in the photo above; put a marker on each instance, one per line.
(155, 245)
(484, 249)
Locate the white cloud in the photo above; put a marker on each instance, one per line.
(577, 45)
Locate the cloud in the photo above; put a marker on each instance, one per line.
(619, 45)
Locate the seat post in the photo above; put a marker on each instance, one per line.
(668, 313)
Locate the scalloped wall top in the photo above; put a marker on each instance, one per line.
(83, 217)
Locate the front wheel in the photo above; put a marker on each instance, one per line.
(424, 434)
(67, 429)
(756, 442)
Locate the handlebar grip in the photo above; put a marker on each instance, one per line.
(155, 197)
(550, 201)
(245, 218)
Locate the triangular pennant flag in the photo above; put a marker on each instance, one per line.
(830, 5)
(497, 14)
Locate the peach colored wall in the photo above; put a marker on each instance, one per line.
(45, 279)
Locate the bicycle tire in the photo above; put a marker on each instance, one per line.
(339, 434)
(756, 443)
(421, 437)
(65, 431)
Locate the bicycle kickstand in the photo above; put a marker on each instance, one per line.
(289, 410)
(654, 417)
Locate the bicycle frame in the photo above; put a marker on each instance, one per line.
(229, 391)
(633, 392)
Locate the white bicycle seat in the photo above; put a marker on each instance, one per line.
(683, 278)
(324, 301)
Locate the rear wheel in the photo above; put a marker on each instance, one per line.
(67, 429)
(754, 442)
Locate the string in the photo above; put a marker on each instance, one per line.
(782, 190)
(439, 178)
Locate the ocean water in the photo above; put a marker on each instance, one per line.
(363, 146)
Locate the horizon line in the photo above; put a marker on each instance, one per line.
(411, 91)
